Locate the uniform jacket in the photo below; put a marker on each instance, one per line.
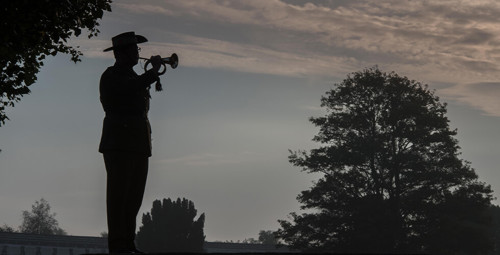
(125, 99)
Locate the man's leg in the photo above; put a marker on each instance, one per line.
(135, 196)
(126, 180)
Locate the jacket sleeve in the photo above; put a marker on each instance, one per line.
(120, 82)
(141, 81)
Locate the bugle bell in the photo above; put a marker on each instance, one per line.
(172, 61)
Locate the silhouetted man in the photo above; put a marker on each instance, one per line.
(126, 138)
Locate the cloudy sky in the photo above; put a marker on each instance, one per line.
(251, 73)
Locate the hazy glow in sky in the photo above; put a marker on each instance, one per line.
(250, 75)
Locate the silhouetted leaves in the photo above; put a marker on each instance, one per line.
(267, 237)
(7, 228)
(32, 30)
(170, 227)
(391, 177)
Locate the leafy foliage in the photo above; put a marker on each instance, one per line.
(170, 227)
(40, 220)
(391, 177)
(268, 237)
(7, 228)
(33, 30)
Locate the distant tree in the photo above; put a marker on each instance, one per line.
(391, 180)
(40, 220)
(104, 234)
(267, 237)
(250, 241)
(170, 227)
(7, 228)
(32, 30)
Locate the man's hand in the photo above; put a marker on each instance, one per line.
(156, 62)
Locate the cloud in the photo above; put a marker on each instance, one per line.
(425, 35)
(218, 54)
(432, 41)
(92, 48)
(482, 95)
(476, 37)
(145, 8)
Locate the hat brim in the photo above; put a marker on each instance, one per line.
(139, 38)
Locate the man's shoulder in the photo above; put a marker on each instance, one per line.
(109, 70)
(107, 78)
(119, 71)
(111, 73)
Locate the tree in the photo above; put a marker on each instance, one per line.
(391, 179)
(7, 228)
(40, 220)
(267, 237)
(32, 30)
(250, 240)
(170, 227)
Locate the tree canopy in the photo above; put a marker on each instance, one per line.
(171, 227)
(268, 237)
(32, 30)
(7, 228)
(391, 177)
(40, 220)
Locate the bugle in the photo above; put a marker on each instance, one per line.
(172, 61)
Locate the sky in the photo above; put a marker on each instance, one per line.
(250, 75)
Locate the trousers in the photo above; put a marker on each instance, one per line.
(125, 184)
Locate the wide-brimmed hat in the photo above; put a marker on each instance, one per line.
(126, 38)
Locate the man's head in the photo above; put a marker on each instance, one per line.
(125, 48)
(127, 55)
